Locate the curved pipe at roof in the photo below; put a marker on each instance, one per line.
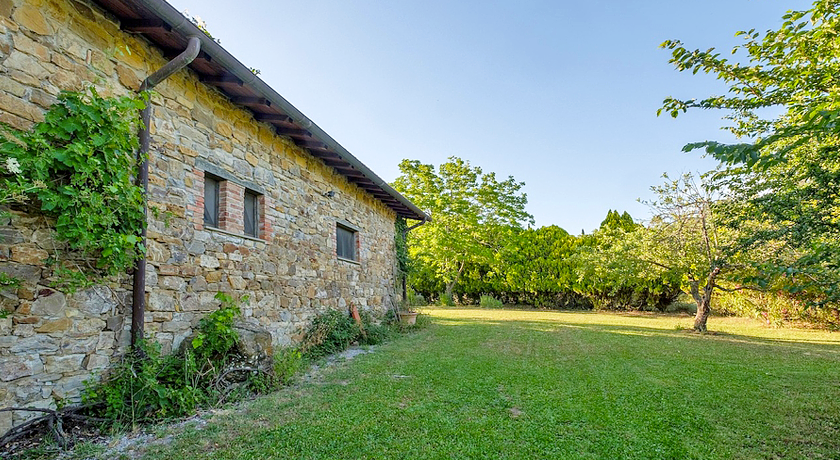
(185, 27)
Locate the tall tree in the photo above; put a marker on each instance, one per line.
(783, 175)
(472, 213)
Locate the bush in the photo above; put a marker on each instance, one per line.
(145, 386)
(414, 299)
(488, 301)
(446, 300)
(330, 332)
(774, 309)
(287, 363)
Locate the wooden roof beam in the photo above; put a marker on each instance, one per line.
(241, 100)
(145, 26)
(222, 80)
(271, 117)
(292, 132)
(311, 144)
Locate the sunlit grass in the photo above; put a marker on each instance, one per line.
(535, 384)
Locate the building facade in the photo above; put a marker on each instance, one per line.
(249, 198)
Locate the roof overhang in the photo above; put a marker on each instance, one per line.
(169, 30)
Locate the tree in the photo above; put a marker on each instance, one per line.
(618, 268)
(684, 238)
(472, 215)
(536, 267)
(614, 220)
(781, 178)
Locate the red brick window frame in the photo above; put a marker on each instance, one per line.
(226, 204)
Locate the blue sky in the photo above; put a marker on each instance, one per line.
(562, 95)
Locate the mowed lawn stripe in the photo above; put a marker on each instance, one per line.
(529, 384)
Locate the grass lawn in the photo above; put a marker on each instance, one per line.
(531, 384)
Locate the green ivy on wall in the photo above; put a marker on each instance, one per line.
(77, 167)
(400, 231)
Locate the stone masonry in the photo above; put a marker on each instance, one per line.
(53, 341)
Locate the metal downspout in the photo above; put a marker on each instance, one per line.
(139, 288)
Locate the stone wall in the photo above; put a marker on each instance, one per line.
(52, 341)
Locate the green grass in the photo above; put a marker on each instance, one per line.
(511, 384)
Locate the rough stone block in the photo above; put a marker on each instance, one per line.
(30, 17)
(208, 261)
(51, 303)
(31, 47)
(25, 254)
(27, 274)
(35, 344)
(96, 361)
(90, 326)
(94, 301)
(106, 340)
(60, 325)
(175, 283)
(64, 364)
(71, 345)
(15, 367)
(160, 301)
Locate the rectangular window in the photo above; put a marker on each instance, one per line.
(211, 201)
(252, 214)
(345, 239)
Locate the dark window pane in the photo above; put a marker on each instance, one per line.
(251, 214)
(211, 201)
(345, 243)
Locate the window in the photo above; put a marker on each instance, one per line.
(252, 214)
(345, 243)
(211, 201)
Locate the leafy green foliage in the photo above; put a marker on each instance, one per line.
(472, 212)
(216, 335)
(780, 180)
(415, 299)
(330, 332)
(77, 162)
(146, 386)
(615, 221)
(288, 362)
(334, 331)
(488, 301)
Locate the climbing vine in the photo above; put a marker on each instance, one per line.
(400, 230)
(77, 167)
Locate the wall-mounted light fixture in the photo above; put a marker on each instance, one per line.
(329, 194)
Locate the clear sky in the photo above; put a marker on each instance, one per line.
(562, 95)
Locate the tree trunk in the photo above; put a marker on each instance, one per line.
(703, 310)
(449, 286)
(704, 301)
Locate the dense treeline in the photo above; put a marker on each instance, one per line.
(478, 244)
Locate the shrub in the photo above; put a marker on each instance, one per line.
(488, 301)
(287, 363)
(145, 386)
(446, 300)
(414, 299)
(330, 332)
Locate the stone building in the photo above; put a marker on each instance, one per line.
(259, 200)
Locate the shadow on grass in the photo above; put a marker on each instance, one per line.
(821, 344)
